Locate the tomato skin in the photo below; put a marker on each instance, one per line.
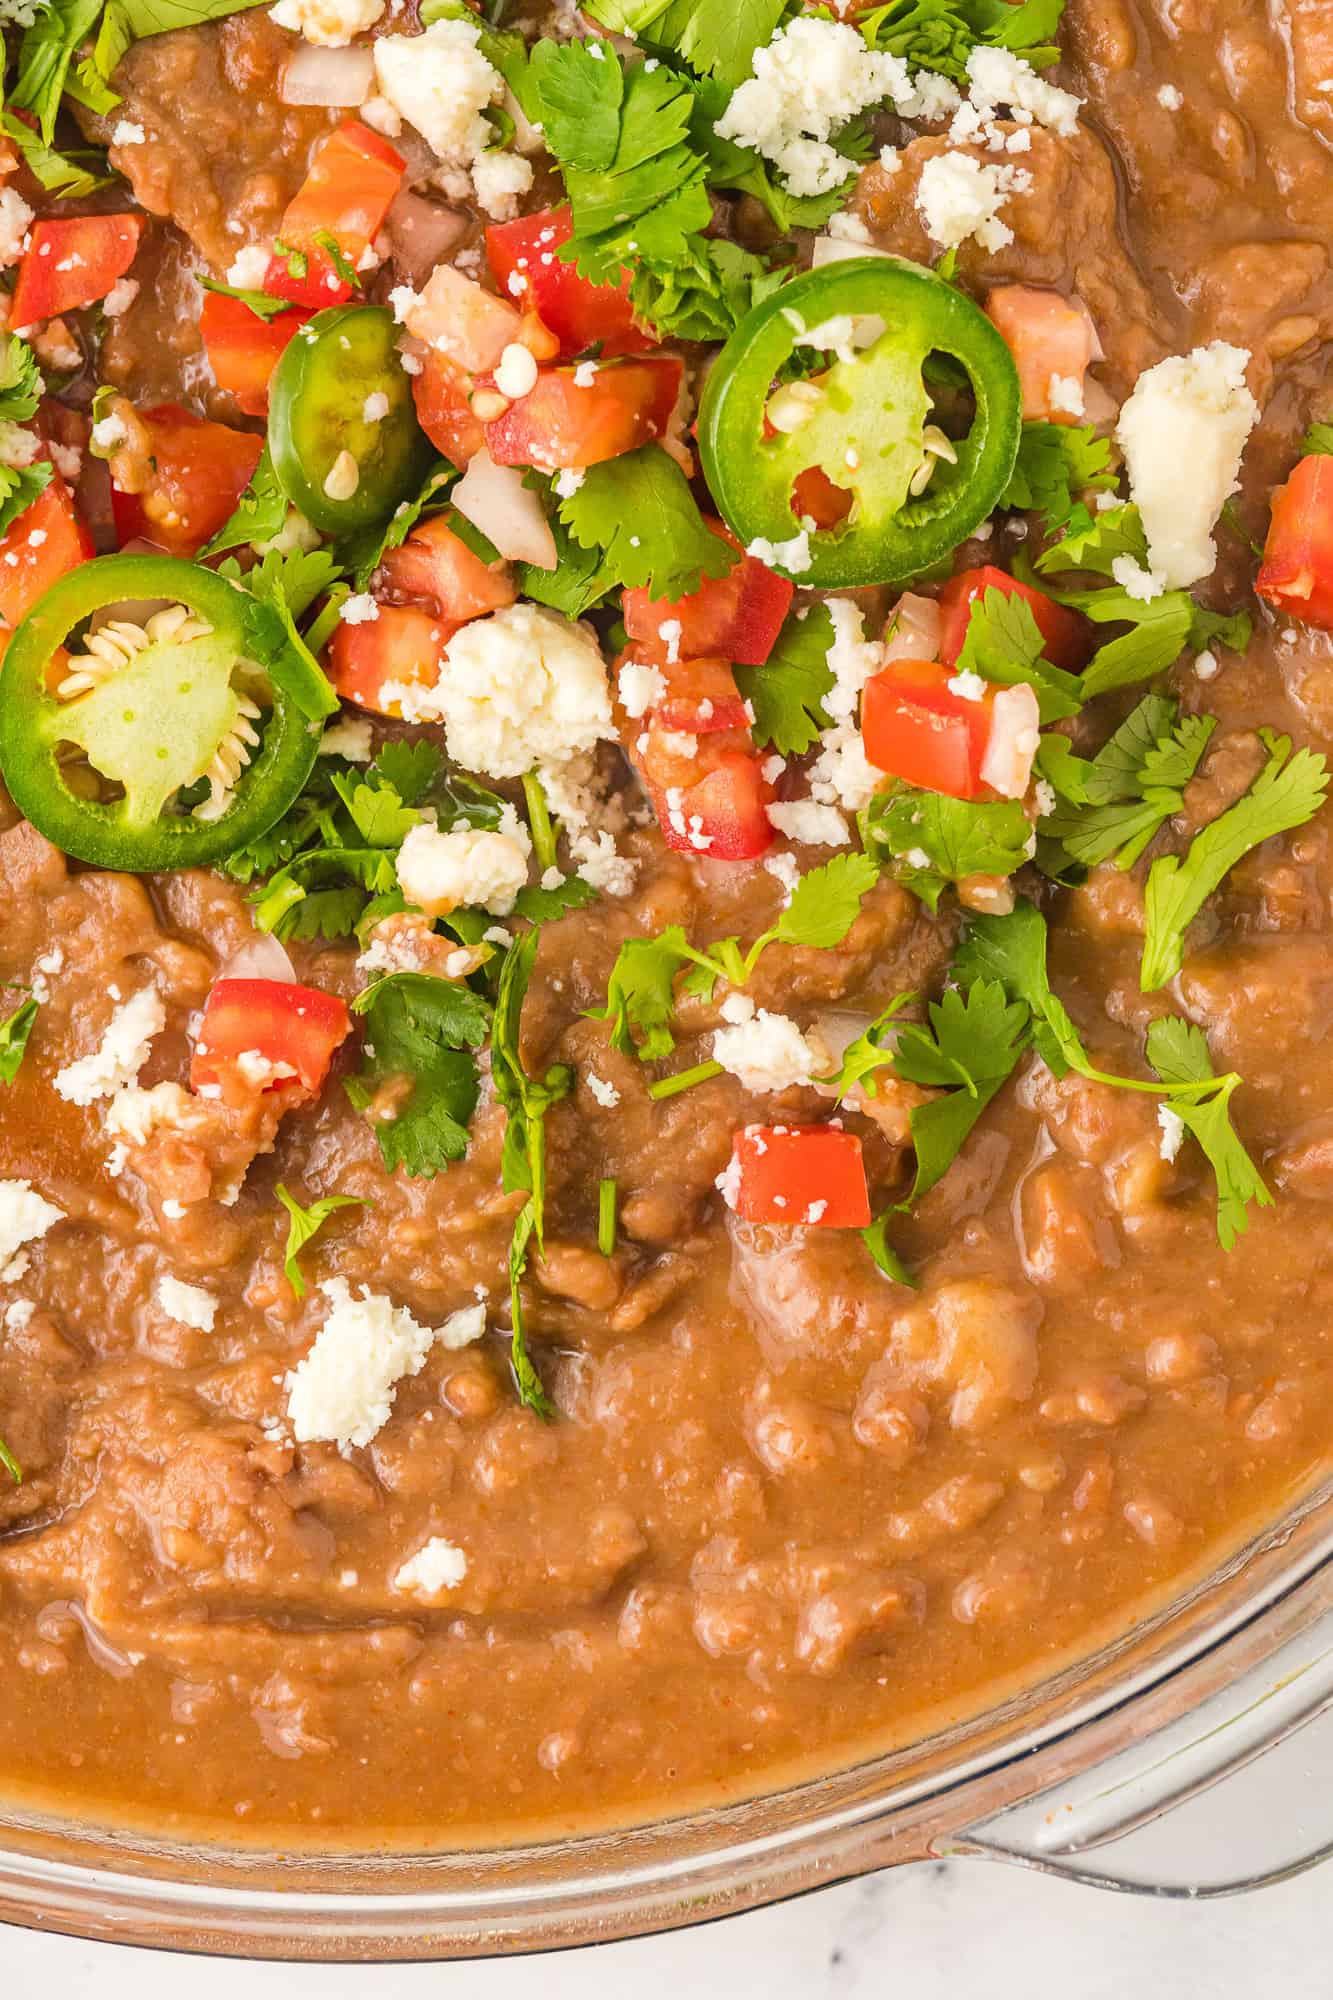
(347, 193)
(1297, 571)
(434, 564)
(27, 571)
(243, 349)
(1048, 337)
(95, 249)
(527, 269)
(403, 644)
(300, 1026)
(733, 617)
(1064, 632)
(918, 730)
(562, 424)
(728, 803)
(441, 393)
(200, 471)
(794, 1174)
(702, 699)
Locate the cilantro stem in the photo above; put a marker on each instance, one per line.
(10, 1463)
(606, 1217)
(539, 819)
(685, 1079)
(323, 628)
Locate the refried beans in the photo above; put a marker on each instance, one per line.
(677, 1353)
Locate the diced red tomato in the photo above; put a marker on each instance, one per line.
(72, 261)
(404, 645)
(442, 394)
(199, 471)
(565, 423)
(1297, 571)
(814, 497)
(524, 261)
(800, 1174)
(347, 193)
(916, 728)
(702, 698)
(734, 617)
(46, 541)
(243, 349)
(1064, 632)
(1052, 342)
(251, 1024)
(723, 814)
(434, 564)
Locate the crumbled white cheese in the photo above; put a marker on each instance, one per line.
(1169, 97)
(133, 1115)
(961, 197)
(1206, 664)
(521, 687)
(811, 824)
(18, 447)
(791, 556)
(641, 688)
(359, 609)
(736, 1008)
(1065, 393)
(120, 1055)
(249, 267)
(589, 821)
(351, 736)
(44, 970)
(499, 177)
(811, 79)
(15, 215)
(435, 1568)
(1173, 1131)
(767, 1053)
(121, 297)
(376, 407)
(343, 1391)
(1136, 581)
(125, 132)
(25, 1216)
(441, 82)
(189, 1305)
(603, 1091)
(968, 686)
(330, 24)
(785, 870)
(463, 1327)
(1012, 743)
(1182, 433)
(996, 77)
(728, 1182)
(440, 872)
(841, 774)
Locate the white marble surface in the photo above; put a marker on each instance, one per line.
(926, 1933)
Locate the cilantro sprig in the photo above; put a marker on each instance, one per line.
(638, 512)
(14, 1034)
(1056, 464)
(1115, 804)
(21, 390)
(421, 1032)
(932, 841)
(788, 692)
(303, 1224)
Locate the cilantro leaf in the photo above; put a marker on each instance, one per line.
(258, 515)
(1159, 626)
(706, 292)
(871, 1051)
(1004, 644)
(787, 693)
(377, 809)
(19, 487)
(825, 903)
(259, 303)
(423, 1030)
(715, 41)
(638, 510)
(640, 994)
(14, 1033)
(411, 769)
(1133, 785)
(1055, 463)
(883, 1255)
(935, 840)
(1287, 792)
(1178, 1051)
(941, 34)
(21, 384)
(45, 54)
(1012, 950)
(969, 1048)
(305, 1223)
(544, 906)
(281, 588)
(1318, 439)
(1232, 629)
(69, 175)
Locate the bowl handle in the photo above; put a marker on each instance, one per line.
(1150, 1821)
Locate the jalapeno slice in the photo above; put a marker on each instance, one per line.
(344, 468)
(912, 350)
(101, 733)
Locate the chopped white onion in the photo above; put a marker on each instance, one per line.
(336, 77)
(836, 1031)
(1012, 745)
(494, 498)
(832, 250)
(261, 958)
(422, 234)
(913, 630)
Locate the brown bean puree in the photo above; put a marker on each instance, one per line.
(788, 1510)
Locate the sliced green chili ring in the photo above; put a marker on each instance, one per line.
(317, 400)
(865, 427)
(151, 725)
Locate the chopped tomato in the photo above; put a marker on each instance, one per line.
(526, 265)
(1297, 571)
(266, 1034)
(565, 422)
(1052, 342)
(442, 394)
(434, 564)
(722, 815)
(403, 646)
(1064, 632)
(463, 324)
(735, 617)
(916, 728)
(198, 472)
(701, 698)
(799, 1174)
(243, 349)
(345, 197)
(814, 497)
(47, 540)
(70, 262)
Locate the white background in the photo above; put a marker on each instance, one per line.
(956, 1931)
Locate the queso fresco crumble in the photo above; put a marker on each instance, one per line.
(664, 881)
